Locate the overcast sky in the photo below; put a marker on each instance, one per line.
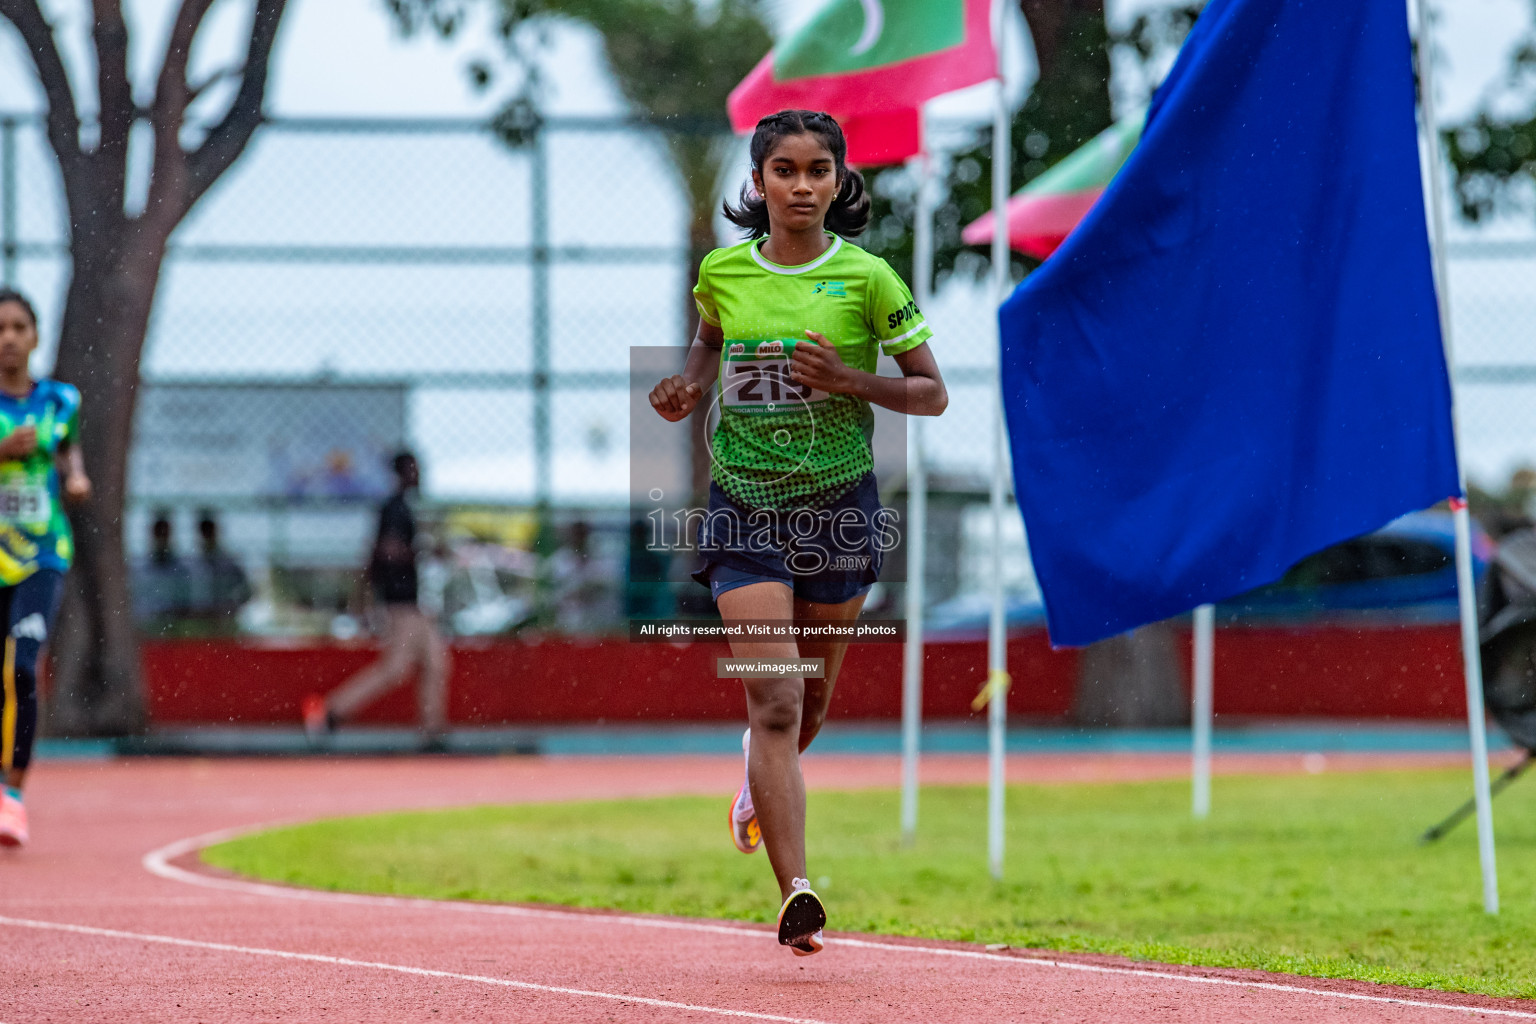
(345, 57)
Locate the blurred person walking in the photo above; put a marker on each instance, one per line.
(40, 463)
(411, 639)
(791, 323)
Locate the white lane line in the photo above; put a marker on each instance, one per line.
(1194, 979)
(157, 862)
(424, 972)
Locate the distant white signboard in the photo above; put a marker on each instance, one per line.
(261, 441)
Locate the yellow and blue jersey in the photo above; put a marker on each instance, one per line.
(34, 529)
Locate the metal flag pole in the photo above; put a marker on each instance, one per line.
(1205, 657)
(997, 637)
(1472, 661)
(917, 521)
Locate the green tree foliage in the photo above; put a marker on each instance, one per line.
(1493, 153)
(1490, 157)
(1068, 105)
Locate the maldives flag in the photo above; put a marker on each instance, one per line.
(872, 64)
(1044, 212)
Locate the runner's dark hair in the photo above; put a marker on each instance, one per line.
(849, 214)
(11, 295)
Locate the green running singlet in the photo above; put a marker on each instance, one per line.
(781, 444)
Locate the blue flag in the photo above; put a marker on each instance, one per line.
(1235, 360)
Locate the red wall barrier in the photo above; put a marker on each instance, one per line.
(1340, 672)
(1320, 671)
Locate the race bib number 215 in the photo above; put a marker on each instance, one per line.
(756, 379)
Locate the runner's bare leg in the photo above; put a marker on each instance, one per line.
(818, 692)
(773, 711)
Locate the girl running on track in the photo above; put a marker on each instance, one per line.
(791, 324)
(39, 452)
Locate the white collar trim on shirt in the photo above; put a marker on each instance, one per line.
(762, 261)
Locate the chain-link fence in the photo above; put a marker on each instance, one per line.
(1492, 287)
(355, 286)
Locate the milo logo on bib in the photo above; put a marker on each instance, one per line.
(755, 379)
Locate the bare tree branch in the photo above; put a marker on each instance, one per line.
(169, 178)
(63, 120)
(198, 88)
(229, 138)
(171, 89)
(109, 34)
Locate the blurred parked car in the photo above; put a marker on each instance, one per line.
(1407, 568)
(1405, 572)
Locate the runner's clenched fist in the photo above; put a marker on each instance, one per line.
(675, 397)
(819, 365)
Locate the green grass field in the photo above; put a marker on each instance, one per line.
(1318, 875)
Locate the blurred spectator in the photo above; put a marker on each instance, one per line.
(162, 583)
(411, 640)
(585, 582)
(1505, 512)
(219, 584)
(1522, 490)
(339, 478)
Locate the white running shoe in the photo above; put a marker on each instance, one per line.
(745, 832)
(813, 944)
(801, 919)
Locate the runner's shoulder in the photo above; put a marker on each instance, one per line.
(727, 255)
(855, 262)
(67, 395)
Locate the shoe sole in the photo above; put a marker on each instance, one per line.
(730, 820)
(801, 917)
(810, 947)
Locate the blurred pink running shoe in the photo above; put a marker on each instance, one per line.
(13, 819)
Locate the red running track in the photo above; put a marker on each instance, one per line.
(99, 926)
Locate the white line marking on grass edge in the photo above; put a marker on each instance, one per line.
(425, 972)
(1194, 979)
(157, 862)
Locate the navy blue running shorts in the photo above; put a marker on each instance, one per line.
(825, 555)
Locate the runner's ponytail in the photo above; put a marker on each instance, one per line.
(849, 213)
